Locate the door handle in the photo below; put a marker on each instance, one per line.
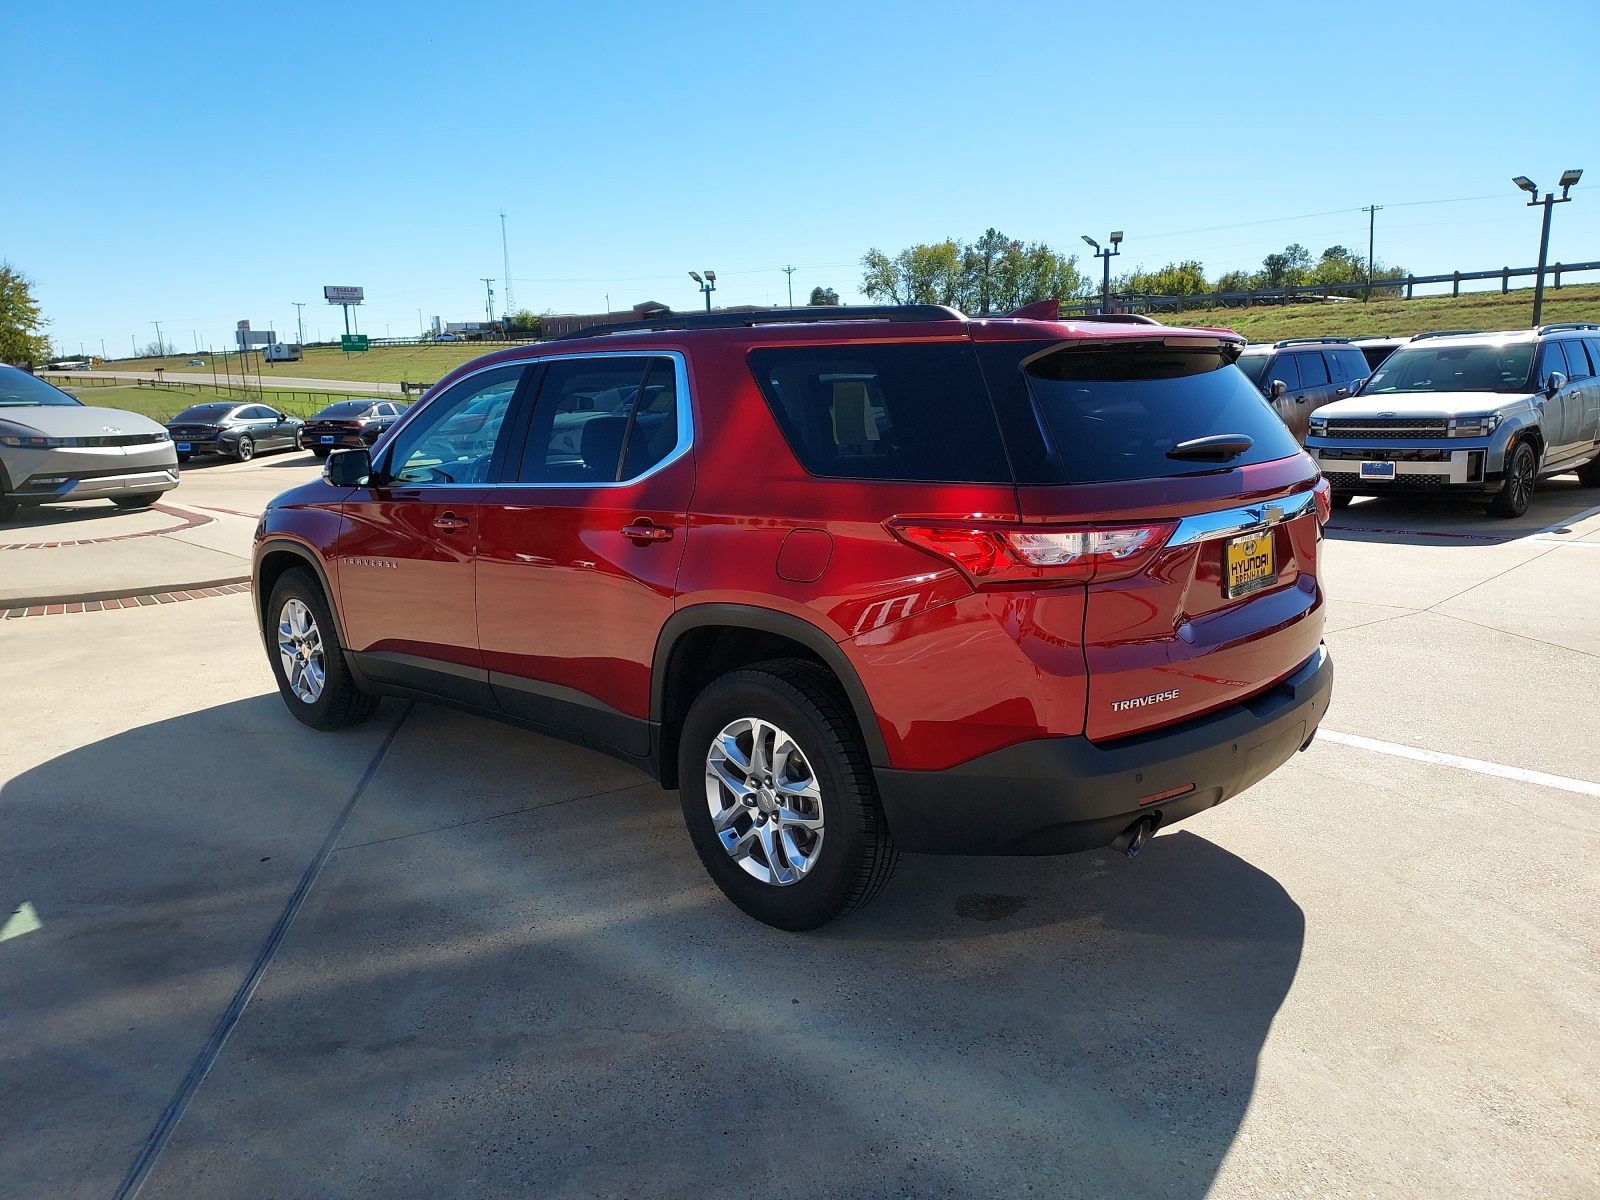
(644, 531)
(449, 523)
(1299, 399)
(1342, 392)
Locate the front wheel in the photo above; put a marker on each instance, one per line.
(779, 798)
(245, 450)
(1516, 490)
(308, 661)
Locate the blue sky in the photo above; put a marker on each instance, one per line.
(198, 163)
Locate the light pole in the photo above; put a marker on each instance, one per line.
(707, 285)
(1568, 178)
(1106, 256)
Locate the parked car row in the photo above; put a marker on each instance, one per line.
(242, 431)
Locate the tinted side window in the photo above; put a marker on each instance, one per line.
(1313, 371)
(1355, 364)
(1114, 412)
(914, 411)
(601, 420)
(1594, 351)
(1283, 368)
(1550, 360)
(452, 440)
(1577, 360)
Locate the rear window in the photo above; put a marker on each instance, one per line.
(1114, 412)
(203, 412)
(345, 410)
(911, 411)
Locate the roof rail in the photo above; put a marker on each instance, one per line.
(1115, 318)
(776, 316)
(1568, 325)
(1433, 333)
(1303, 341)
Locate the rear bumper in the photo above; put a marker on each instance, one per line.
(1060, 795)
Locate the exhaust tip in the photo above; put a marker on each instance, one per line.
(1132, 840)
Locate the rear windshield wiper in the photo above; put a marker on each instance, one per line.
(1219, 447)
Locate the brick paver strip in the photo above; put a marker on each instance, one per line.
(141, 600)
(190, 521)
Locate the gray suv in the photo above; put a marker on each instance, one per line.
(1480, 414)
(53, 448)
(1300, 375)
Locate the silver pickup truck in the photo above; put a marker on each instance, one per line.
(1479, 414)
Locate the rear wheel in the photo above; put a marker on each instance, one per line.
(319, 451)
(1342, 499)
(245, 450)
(142, 500)
(1589, 473)
(184, 457)
(778, 796)
(1516, 490)
(307, 660)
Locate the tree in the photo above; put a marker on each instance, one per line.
(821, 296)
(1185, 278)
(993, 274)
(1291, 268)
(1234, 281)
(522, 321)
(21, 325)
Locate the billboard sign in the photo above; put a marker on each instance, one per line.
(343, 295)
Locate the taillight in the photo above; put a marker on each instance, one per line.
(1323, 493)
(991, 554)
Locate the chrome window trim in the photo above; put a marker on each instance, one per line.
(685, 419)
(1244, 519)
(390, 435)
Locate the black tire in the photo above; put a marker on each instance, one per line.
(1516, 490)
(340, 703)
(856, 856)
(142, 500)
(1589, 473)
(1342, 499)
(184, 457)
(246, 449)
(9, 508)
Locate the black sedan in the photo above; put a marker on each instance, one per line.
(237, 430)
(354, 423)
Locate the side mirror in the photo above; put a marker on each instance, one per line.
(1555, 383)
(348, 468)
(1278, 389)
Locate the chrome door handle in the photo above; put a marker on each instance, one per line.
(645, 531)
(450, 523)
(1342, 392)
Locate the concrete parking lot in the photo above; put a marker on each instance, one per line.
(1376, 973)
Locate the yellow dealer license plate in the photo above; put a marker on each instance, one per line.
(1252, 563)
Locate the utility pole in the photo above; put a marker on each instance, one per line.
(1568, 179)
(489, 301)
(299, 323)
(1372, 211)
(505, 257)
(161, 347)
(789, 271)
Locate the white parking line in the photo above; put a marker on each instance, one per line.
(1582, 787)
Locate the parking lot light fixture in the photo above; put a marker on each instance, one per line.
(1106, 255)
(707, 285)
(1568, 178)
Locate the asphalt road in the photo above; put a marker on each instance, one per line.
(270, 379)
(1369, 975)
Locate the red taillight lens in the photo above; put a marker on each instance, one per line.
(1323, 492)
(991, 555)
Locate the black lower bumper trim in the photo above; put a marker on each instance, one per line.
(1061, 795)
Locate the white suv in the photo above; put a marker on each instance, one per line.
(1481, 414)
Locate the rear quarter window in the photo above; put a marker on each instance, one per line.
(907, 411)
(1113, 412)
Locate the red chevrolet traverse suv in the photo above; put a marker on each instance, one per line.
(853, 580)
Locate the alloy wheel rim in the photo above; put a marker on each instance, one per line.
(1522, 481)
(247, 449)
(765, 801)
(300, 651)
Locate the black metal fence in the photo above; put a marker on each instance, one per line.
(1314, 292)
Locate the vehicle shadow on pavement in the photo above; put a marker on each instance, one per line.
(1423, 520)
(514, 978)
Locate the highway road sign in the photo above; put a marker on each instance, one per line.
(353, 342)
